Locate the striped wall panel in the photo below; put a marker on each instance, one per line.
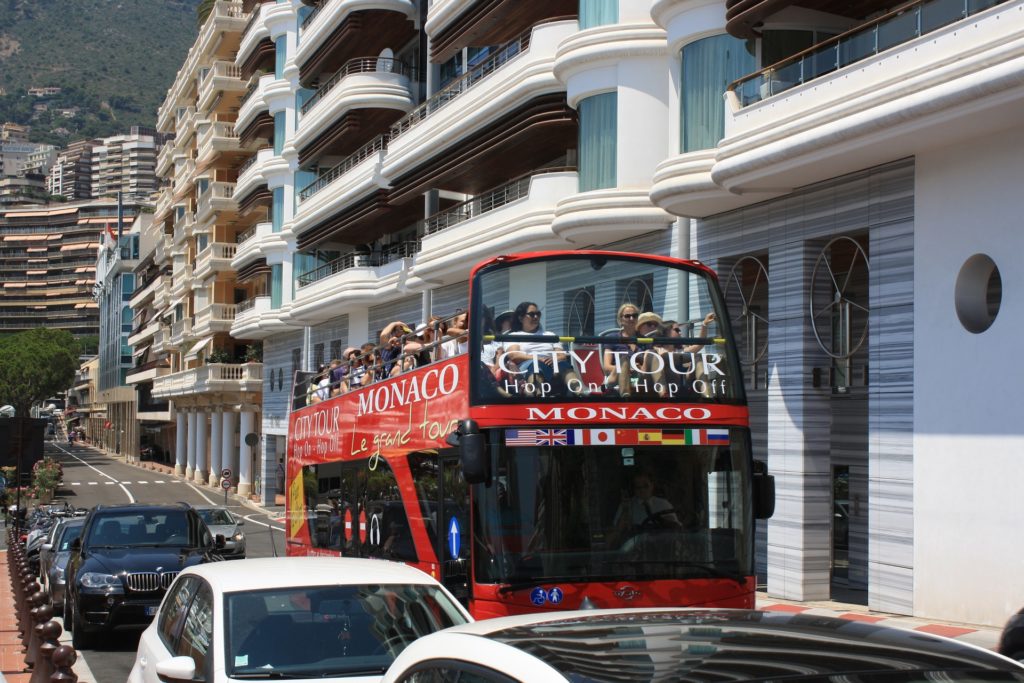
(808, 430)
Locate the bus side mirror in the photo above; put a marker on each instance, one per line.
(476, 465)
(764, 491)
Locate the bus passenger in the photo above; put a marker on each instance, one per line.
(456, 337)
(493, 350)
(542, 358)
(615, 358)
(391, 348)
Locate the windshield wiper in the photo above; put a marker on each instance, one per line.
(269, 675)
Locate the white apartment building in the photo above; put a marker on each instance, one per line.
(849, 171)
(125, 164)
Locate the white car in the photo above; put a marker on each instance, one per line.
(295, 618)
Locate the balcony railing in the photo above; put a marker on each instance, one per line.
(379, 143)
(902, 25)
(390, 253)
(247, 235)
(253, 87)
(359, 65)
(481, 204)
(312, 15)
(453, 90)
(209, 378)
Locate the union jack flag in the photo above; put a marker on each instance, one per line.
(552, 437)
(538, 437)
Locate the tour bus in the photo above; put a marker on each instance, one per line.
(581, 440)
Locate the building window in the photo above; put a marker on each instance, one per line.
(598, 13)
(709, 66)
(280, 56)
(275, 286)
(277, 210)
(598, 126)
(280, 121)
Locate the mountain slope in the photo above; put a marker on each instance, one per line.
(113, 59)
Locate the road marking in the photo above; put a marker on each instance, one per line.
(142, 482)
(108, 483)
(131, 498)
(94, 483)
(159, 481)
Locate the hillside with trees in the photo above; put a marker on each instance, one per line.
(112, 59)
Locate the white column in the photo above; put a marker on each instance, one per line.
(180, 441)
(228, 452)
(246, 425)
(191, 467)
(200, 473)
(216, 429)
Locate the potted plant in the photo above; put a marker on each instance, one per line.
(46, 475)
(254, 352)
(219, 356)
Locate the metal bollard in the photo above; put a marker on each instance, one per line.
(49, 635)
(64, 657)
(41, 614)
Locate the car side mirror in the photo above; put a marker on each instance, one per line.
(76, 544)
(473, 456)
(176, 670)
(240, 522)
(764, 491)
(218, 541)
(47, 547)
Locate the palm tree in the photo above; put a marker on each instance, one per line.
(203, 11)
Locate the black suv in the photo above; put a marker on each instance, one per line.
(123, 562)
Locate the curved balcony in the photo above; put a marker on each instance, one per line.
(454, 24)
(602, 216)
(683, 186)
(942, 85)
(252, 173)
(218, 197)
(212, 319)
(362, 83)
(244, 378)
(352, 281)
(331, 14)
(514, 217)
(444, 12)
(589, 61)
(215, 258)
(223, 78)
(254, 101)
(164, 158)
(255, 319)
(268, 21)
(356, 176)
(217, 138)
(475, 100)
(684, 20)
(249, 245)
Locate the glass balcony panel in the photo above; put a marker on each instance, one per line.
(979, 5)
(898, 29)
(939, 13)
(856, 47)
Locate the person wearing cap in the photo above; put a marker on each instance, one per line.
(420, 349)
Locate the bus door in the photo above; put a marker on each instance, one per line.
(453, 541)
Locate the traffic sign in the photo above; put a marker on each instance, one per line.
(225, 483)
(225, 473)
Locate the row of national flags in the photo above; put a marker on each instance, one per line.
(616, 437)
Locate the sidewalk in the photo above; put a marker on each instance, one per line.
(12, 657)
(982, 636)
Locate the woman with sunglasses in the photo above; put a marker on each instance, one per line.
(538, 357)
(615, 358)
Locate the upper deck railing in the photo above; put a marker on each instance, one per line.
(901, 25)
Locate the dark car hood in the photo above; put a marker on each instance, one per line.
(725, 645)
(135, 559)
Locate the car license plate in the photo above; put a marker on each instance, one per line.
(151, 610)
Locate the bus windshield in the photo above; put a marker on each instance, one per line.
(601, 327)
(624, 513)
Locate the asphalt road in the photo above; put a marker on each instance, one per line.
(91, 478)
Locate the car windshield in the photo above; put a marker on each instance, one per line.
(151, 528)
(216, 516)
(326, 631)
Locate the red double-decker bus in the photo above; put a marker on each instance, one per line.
(582, 441)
